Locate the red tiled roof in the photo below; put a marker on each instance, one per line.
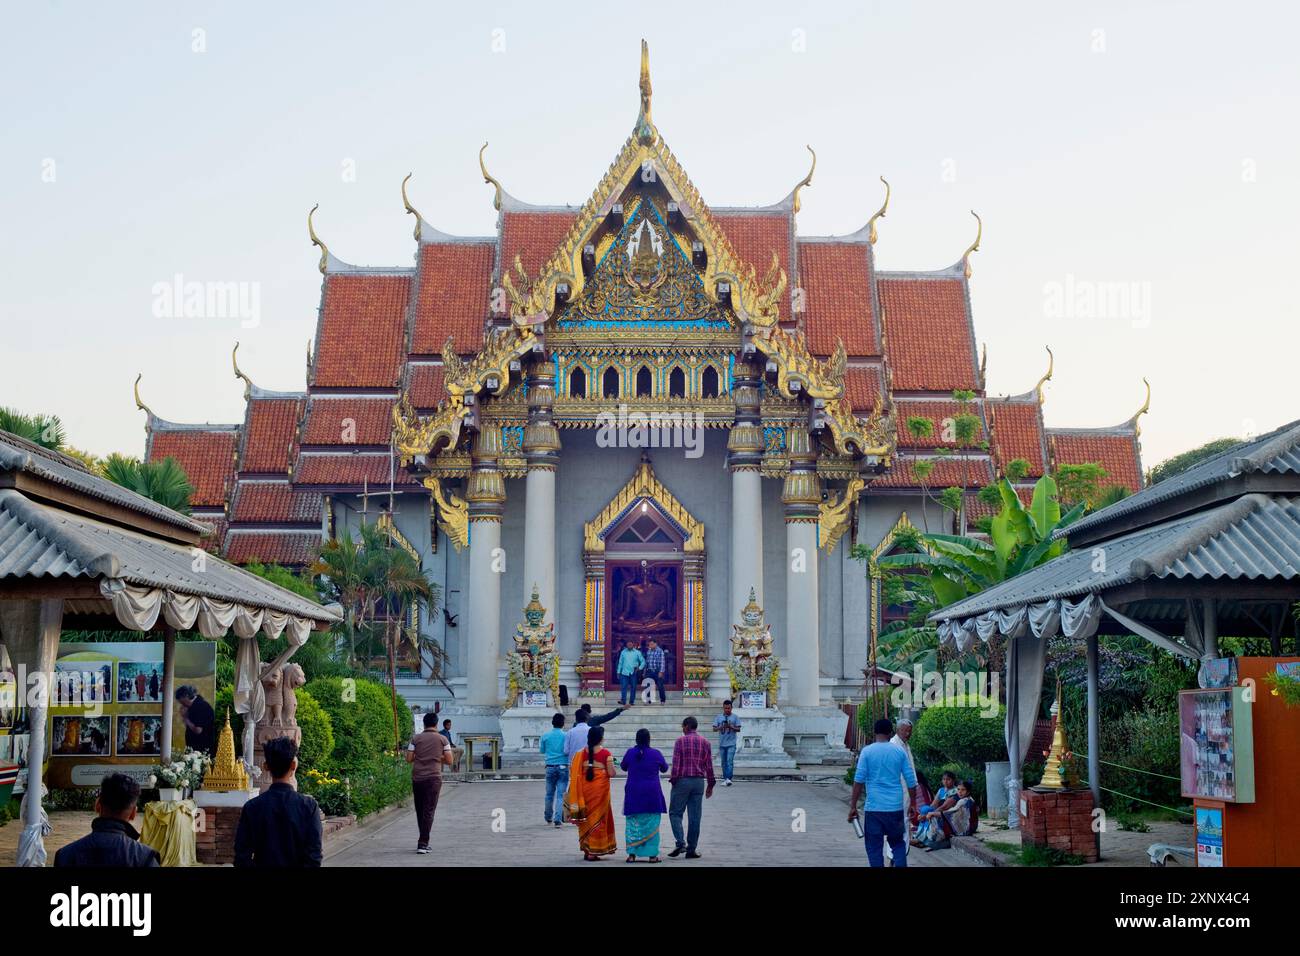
(206, 457)
(862, 389)
(348, 469)
(271, 547)
(453, 296)
(836, 281)
(425, 386)
(928, 337)
(978, 509)
(1116, 452)
(755, 237)
(938, 412)
(1017, 433)
(273, 501)
(269, 431)
(362, 331)
(348, 421)
(534, 237)
(947, 472)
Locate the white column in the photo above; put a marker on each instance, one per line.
(31, 629)
(542, 451)
(801, 498)
(486, 496)
(745, 459)
(168, 691)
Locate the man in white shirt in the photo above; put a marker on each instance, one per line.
(900, 740)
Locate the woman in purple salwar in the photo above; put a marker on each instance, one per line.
(643, 798)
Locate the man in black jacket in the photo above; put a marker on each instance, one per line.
(112, 840)
(282, 827)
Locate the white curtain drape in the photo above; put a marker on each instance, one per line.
(137, 608)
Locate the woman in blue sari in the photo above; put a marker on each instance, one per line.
(643, 798)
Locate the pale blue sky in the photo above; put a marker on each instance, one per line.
(1147, 143)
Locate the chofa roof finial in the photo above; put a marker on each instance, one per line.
(411, 209)
(1146, 407)
(315, 240)
(645, 131)
(974, 246)
(234, 363)
(807, 180)
(496, 200)
(1047, 376)
(138, 403)
(880, 213)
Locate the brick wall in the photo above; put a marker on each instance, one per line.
(1061, 820)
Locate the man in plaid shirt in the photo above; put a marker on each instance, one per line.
(692, 766)
(654, 666)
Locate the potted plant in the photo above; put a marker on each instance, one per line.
(179, 779)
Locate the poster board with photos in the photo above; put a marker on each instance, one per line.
(106, 707)
(1216, 744)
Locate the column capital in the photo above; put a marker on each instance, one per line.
(486, 490)
(541, 437)
(745, 442)
(802, 493)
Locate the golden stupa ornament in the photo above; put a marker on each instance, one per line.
(1053, 777)
(227, 773)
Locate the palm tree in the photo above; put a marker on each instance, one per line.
(44, 430)
(161, 481)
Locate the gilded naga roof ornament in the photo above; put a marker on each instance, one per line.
(1146, 407)
(316, 241)
(984, 365)
(1047, 376)
(645, 129)
(411, 209)
(453, 513)
(880, 214)
(487, 178)
(836, 514)
(139, 404)
(974, 246)
(807, 180)
(234, 363)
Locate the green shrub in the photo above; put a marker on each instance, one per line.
(1144, 739)
(226, 702)
(380, 782)
(951, 732)
(317, 745)
(1035, 855)
(361, 716)
(9, 811)
(73, 798)
(334, 794)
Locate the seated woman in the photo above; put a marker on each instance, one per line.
(957, 816)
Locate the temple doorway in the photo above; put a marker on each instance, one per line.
(643, 578)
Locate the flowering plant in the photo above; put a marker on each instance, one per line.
(186, 772)
(334, 795)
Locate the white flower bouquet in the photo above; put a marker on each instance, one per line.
(185, 772)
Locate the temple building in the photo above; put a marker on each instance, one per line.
(643, 406)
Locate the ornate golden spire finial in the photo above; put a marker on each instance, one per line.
(234, 362)
(880, 213)
(139, 404)
(1053, 778)
(974, 246)
(411, 209)
(984, 364)
(1047, 376)
(1146, 407)
(315, 240)
(487, 178)
(807, 180)
(645, 131)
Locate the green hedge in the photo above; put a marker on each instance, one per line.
(954, 733)
(317, 745)
(361, 715)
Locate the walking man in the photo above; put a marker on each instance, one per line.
(282, 827)
(630, 660)
(654, 667)
(900, 739)
(882, 770)
(426, 754)
(553, 745)
(726, 724)
(691, 780)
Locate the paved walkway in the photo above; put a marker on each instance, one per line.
(499, 823)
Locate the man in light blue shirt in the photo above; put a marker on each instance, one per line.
(552, 745)
(630, 661)
(882, 770)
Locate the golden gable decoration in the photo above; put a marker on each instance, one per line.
(644, 484)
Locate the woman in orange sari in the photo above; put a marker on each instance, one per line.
(588, 797)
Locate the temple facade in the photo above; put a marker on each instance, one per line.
(644, 407)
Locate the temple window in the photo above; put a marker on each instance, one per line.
(577, 383)
(609, 383)
(677, 383)
(643, 382)
(709, 382)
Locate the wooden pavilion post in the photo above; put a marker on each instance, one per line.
(1094, 731)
